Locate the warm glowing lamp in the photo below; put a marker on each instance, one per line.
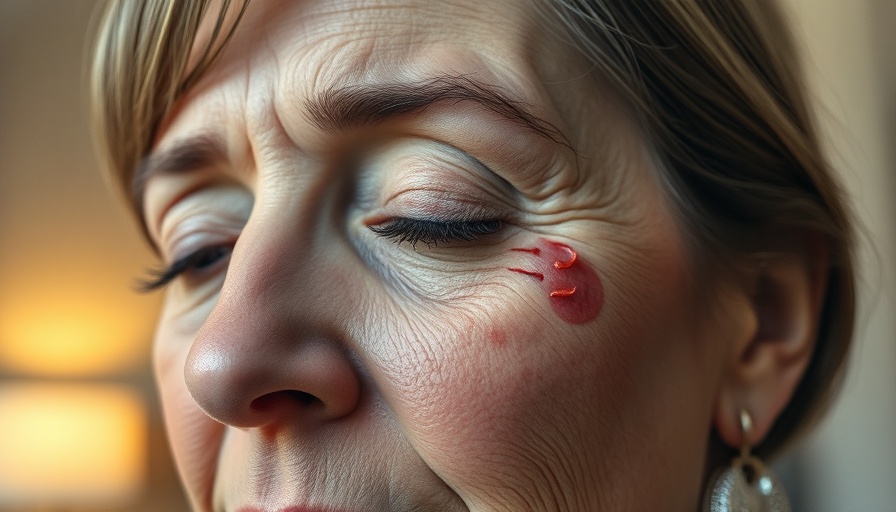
(71, 444)
(54, 336)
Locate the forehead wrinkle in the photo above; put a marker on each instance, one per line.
(337, 39)
(324, 82)
(307, 59)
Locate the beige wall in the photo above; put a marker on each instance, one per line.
(63, 241)
(68, 255)
(850, 46)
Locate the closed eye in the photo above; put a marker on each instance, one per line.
(201, 259)
(432, 232)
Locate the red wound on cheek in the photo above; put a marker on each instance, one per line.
(572, 286)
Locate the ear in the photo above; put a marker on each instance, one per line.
(786, 294)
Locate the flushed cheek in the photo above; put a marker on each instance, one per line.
(570, 284)
(530, 388)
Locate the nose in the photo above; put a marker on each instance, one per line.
(268, 352)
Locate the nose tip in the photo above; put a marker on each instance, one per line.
(304, 381)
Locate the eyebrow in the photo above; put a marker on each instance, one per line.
(344, 108)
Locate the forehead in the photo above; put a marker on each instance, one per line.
(314, 44)
(285, 53)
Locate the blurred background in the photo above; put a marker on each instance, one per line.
(80, 428)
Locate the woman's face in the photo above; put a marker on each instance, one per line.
(400, 288)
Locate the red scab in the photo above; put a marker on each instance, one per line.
(564, 293)
(536, 275)
(574, 289)
(573, 256)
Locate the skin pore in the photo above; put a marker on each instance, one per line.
(345, 333)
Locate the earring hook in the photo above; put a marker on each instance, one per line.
(746, 425)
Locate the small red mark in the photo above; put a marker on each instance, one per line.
(573, 256)
(535, 250)
(536, 275)
(498, 337)
(564, 293)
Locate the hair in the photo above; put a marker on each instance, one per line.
(714, 86)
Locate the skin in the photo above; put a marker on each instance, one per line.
(321, 365)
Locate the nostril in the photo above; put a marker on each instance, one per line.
(302, 397)
(273, 400)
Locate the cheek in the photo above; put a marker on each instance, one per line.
(517, 379)
(575, 382)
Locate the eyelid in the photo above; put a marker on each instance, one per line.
(440, 205)
(165, 191)
(435, 166)
(432, 193)
(214, 216)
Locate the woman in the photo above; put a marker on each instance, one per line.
(552, 255)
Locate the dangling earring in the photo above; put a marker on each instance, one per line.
(747, 485)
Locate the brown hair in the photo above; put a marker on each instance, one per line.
(714, 85)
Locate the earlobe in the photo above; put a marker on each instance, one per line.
(788, 289)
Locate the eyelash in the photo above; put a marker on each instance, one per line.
(199, 259)
(432, 232)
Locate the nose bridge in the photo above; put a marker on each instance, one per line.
(274, 344)
(288, 248)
